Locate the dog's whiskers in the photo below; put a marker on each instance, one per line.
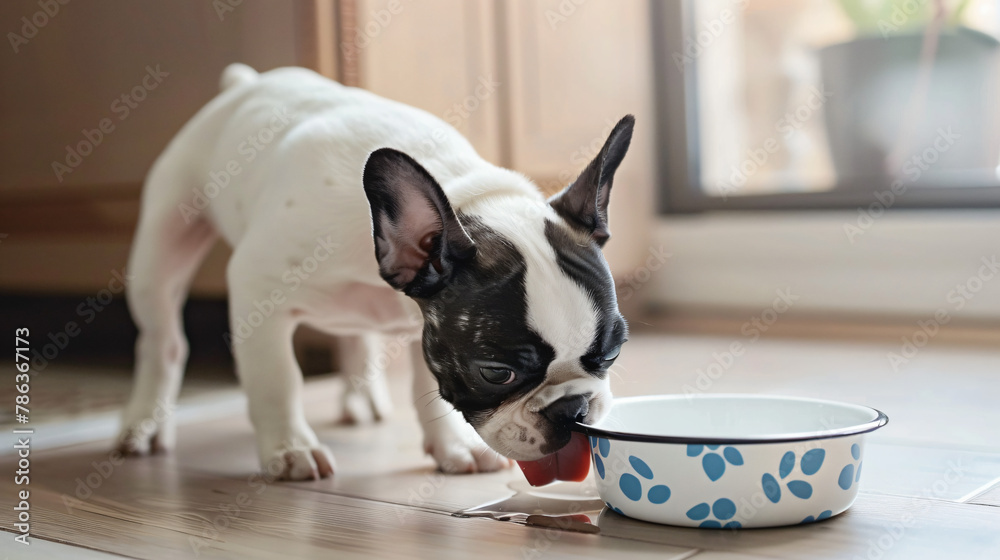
(442, 416)
(418, 399)
(485, 451)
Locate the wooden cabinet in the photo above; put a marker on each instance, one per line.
(102, 88)
(560, 75)
(439, 55)
(574, 70)
(93, 97)
(535, 85)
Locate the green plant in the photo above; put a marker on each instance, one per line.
(883, 16)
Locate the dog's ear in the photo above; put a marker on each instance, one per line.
(418, 238)
(584, 204)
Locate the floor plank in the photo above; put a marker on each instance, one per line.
(150, 510)
(387, 500)
(877, 526)
(52, 551)
(944, 473)
(726, 555)
(990, 497)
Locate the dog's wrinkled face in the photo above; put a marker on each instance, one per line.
(522, 340)
(521, 322)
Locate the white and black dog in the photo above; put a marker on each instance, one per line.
(365, 217)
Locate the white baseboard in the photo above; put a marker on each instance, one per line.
(105, 425)
(908, 263)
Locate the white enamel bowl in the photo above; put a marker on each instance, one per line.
(730, 461)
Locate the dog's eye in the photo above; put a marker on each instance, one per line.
(500, 376)
(610, 357)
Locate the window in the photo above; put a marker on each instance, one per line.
(828, 104)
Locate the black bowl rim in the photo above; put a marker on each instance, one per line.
(881, 419)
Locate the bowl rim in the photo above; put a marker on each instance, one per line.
(880, 420)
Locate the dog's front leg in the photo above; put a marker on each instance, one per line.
(448, 438)
(265, 362)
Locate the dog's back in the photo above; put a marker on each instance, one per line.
(267, 136)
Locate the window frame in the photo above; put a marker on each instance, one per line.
(678, 146)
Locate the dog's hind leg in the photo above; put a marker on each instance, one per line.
(365, 359)
(168, 248)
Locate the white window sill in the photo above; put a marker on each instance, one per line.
(906, 263)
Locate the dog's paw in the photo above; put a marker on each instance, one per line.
(135, 443)
(461, 458)
(300, 462)
(366, 399)
(289, 450)
(145, 437)
(460, 450)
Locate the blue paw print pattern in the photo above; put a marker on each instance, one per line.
(714, 463)
(601, 448)
(849, 474)
(810, 464)
(613, 508)
(723, 510)
(631, 485)
(823, 515)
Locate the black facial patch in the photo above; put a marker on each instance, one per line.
(581, 260)
(481, 320)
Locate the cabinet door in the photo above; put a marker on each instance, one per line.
(438, 55)
(90, 98)
(574, 70)
(112, 82)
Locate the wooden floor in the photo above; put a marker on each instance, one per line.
(931, 486)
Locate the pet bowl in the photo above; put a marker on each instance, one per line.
(730, 461)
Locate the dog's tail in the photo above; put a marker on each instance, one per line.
(236, 74)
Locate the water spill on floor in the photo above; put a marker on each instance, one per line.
(577, 506)
(570, 506)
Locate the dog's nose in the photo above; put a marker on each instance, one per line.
(567, 410)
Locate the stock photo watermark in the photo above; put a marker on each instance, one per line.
(903, 13)
(457, 114)
(634, 281)
(894, 531)
(225, 7)
(378, 21)
(563, 12)
(712, 29)
(913, 168)
(87, 311)
(758, 156)
(956, 300)
(291, 279)
(549, 535)
(102, 471)
(753, 329)
(31, 25)
(249, 149)
(22, 398)
(421, 494)
(231, 511)
(579, 158)
(122, 107)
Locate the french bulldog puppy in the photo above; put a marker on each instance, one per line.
(368, 218)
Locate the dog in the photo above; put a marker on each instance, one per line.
(367, 218)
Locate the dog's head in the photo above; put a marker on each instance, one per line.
(521, 322)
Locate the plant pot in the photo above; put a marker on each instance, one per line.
(872, 80)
